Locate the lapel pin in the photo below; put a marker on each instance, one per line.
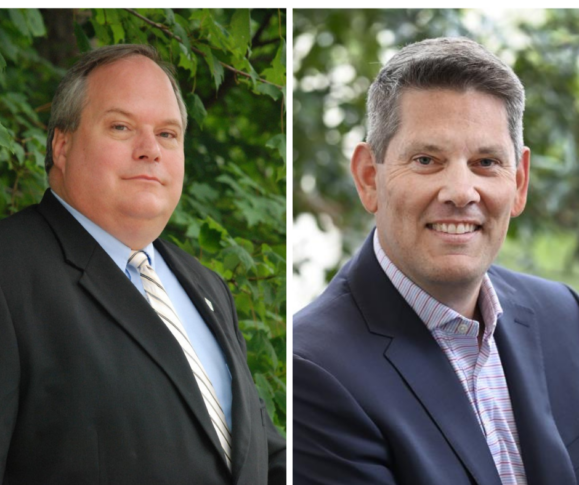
(209, 304)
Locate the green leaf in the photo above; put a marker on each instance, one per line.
(169, 16)
(243, 64)
(278, 141)
(187, 60)
(203, 192)
(19, 152)
(135, 31)
(276, 72)
(216, 34)
(36, 153)
(269, 89)
(238, 254)
(182, 33)
(35, 22)
(2, 63)
(209, 239)
(214, 66)
(240, 29)
(19, 21)
(81, 39)
(100, 16)
(197, 111)
(218, 73)
(267, 349)
(112, 15)
(185, 245)
(6, 139)
(280, 400)
(211, 234)
(242, 303)
(8, 47)
(265, 392)
(118, 32)
(245, 244)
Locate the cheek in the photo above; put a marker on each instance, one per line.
(499, 203)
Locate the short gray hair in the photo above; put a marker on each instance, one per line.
(70, 97)
(448, 63)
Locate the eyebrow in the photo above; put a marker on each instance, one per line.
(170, 121)
(491, 150)
(413, 148)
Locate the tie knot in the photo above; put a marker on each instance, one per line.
(137, 258)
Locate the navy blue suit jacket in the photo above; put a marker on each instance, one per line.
(376, 401)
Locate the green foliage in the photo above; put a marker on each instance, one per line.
(232, 213)
(339, 53)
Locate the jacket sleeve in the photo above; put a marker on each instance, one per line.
(334, 440)
(9, 382)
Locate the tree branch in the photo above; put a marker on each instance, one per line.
(197, 51)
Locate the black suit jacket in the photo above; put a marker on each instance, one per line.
(376, 400)
(93, 387)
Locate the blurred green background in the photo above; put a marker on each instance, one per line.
(337, 54)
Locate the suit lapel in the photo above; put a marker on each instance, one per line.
(110, 287)
(421, 363)
(198, 289)
(518, 340)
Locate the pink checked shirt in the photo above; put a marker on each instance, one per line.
(479, 370)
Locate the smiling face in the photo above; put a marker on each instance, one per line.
(123, 167)
(447, 188)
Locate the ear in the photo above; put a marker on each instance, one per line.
(60, 145)
(522, 179)
(363, 168)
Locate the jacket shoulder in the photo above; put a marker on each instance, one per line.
(24, 236)
(329, 321)
(533, 289)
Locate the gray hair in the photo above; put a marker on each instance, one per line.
(70, 97)
(449, 63)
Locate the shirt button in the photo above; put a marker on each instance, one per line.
(463, 328)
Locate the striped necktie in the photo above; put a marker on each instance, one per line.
(161, 303)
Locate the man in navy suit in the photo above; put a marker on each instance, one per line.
(421, 363)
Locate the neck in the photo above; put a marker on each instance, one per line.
(461, 297)
(132, 232)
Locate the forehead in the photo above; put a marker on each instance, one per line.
(469, 105)
(132, 83)
(453, 119)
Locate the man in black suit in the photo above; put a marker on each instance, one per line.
(423, 364)
(112, 371)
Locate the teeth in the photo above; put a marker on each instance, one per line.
(454, 228)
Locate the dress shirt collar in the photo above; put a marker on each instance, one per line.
(118, 252)
(435, 314)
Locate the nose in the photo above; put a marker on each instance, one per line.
(458, 185)
(147, 147)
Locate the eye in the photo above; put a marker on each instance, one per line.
(487, 162)
(166, 134)
(423, 160)
(119, 127)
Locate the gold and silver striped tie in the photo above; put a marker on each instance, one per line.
(161, 303)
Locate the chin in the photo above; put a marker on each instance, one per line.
(458, 275)
(145, 210)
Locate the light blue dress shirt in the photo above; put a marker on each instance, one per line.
(201, 337)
